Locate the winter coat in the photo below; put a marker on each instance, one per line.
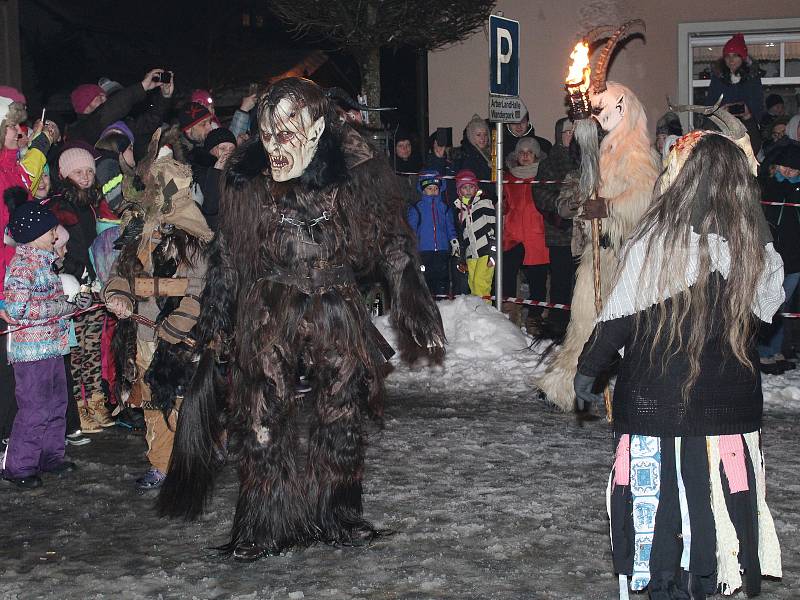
(469, 157)
(34, 294)
(431, 218)
(89, 127)
(748, 89)
(109, 177)
(477, 221)
(784, 221)
(199, 159)
(557, 230)
(81, 224)
(211, 190)
(23, 173)
(523, 223)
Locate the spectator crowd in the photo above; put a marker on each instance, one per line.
(64, 188)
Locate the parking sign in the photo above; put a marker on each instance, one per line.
(503, 56)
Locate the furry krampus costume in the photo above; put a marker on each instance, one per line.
(298, 223)
(628, 168)
(158, 275)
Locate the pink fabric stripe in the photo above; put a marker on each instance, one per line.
(731, 450)
(622, 461)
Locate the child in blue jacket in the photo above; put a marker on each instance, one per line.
(432, 220)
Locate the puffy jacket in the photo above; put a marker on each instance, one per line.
(35, 294)
(433, 221)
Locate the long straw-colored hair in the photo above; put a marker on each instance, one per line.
(714, 192)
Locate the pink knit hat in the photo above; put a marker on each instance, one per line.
(202, 97)
(83, 95)
(74, 159)
(9, 92)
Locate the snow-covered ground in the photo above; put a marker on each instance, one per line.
(492, 495)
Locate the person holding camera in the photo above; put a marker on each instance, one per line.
(736, 78)
(96, 111)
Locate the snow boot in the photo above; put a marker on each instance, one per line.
(88, 423)
(101, 414)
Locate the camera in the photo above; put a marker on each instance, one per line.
(163, 77)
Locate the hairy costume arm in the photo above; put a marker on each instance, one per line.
(414, 313)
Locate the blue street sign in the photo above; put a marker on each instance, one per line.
(503, 56)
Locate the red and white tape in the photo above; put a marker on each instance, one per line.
(513, 300)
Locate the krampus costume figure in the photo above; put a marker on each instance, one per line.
(157, 277)
(628, 168)
(298, 223)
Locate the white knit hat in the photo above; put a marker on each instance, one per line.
(74, 159)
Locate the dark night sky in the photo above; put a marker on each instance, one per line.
(206, 43)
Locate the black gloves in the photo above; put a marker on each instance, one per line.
(584, 397)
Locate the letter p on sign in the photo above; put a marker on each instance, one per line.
(503, 56)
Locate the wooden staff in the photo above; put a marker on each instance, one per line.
(152, 325)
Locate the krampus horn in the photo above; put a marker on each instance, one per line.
(599, 71)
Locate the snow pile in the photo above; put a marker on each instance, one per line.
(483, 348)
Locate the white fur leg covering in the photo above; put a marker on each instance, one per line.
(557, 381)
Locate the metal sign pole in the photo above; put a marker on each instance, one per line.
(498, 267)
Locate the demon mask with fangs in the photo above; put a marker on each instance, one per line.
(291, 125)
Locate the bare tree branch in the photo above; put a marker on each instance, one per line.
(369, 24)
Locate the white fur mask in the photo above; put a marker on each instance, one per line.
(292, 142)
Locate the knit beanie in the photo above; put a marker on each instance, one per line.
(735, 45)
(530, 144)
(74, 159)
(6, 91)
(465, 177)
(788, 156)
(30, 221)
(772, 100)
(218, 136)
(83, 95)
(430, 177)
(475, 123)
(118, 127)
(192, 115)
(109, 86)
(202, 97)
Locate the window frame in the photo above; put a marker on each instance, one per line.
(757, 30)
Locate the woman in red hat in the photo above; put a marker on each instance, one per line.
(736, 78)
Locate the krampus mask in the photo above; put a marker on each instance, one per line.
(291, 127)
(609, 100)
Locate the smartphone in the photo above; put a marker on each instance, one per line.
(253, 89)
(736, 109)
(166, 76)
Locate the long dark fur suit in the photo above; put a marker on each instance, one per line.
(255, 329)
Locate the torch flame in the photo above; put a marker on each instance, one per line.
(580, 69)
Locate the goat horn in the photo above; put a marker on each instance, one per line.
(695, 108)
(599, 72)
